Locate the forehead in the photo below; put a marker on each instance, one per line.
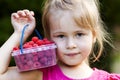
(64, 22)
(69, 16)
(60, 18)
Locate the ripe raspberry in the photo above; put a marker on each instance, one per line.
(39, 42)
(45, 39)
(35, 45)
(15, 48)
(43, 60)
(35, 39)
(31, 42)
(27, 45)
(47, 42)
(36, 64)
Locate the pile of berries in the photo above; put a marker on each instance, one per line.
(37, 59)
(35, 41)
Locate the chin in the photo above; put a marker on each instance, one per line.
(71, 64)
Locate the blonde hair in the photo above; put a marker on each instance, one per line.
(86, 14)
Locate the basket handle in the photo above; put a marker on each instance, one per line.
(22, 36)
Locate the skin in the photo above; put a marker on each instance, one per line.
(74, 46)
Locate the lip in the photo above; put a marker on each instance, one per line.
(72, 54)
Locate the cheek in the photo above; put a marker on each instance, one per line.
(59, 51)
(60, 46)
(85, 47)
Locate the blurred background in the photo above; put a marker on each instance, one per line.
(110, 13)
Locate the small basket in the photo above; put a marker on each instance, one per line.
(35, 57)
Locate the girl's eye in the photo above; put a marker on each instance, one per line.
(61, 36)
(79, 34)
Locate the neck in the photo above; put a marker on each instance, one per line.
(77, 72)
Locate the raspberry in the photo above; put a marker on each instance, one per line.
(43, 60)
(15, 48)
(31, 42)
(39, 42)
(35, 39)
(26, 67)
(35, 45)
(35, 58)
(47, 42)
(30, 63)
(36, 64)
(27, 45)
(45, 39)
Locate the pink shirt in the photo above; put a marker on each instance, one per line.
(54, 73)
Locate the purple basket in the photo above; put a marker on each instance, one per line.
(35, 57)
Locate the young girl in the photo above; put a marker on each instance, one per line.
(76, 28)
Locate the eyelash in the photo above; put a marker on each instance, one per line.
(79, 34)
(60, 36)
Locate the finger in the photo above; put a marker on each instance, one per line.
(32, 13)
(14, 15)
(27, 12)
(21, 13)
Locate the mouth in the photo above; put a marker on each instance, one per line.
(72, 54)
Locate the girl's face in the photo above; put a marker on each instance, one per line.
(74, 43)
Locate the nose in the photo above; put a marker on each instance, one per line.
(71, 44)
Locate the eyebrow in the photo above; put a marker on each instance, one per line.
(55, 33)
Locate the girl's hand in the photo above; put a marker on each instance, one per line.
(20, 19)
